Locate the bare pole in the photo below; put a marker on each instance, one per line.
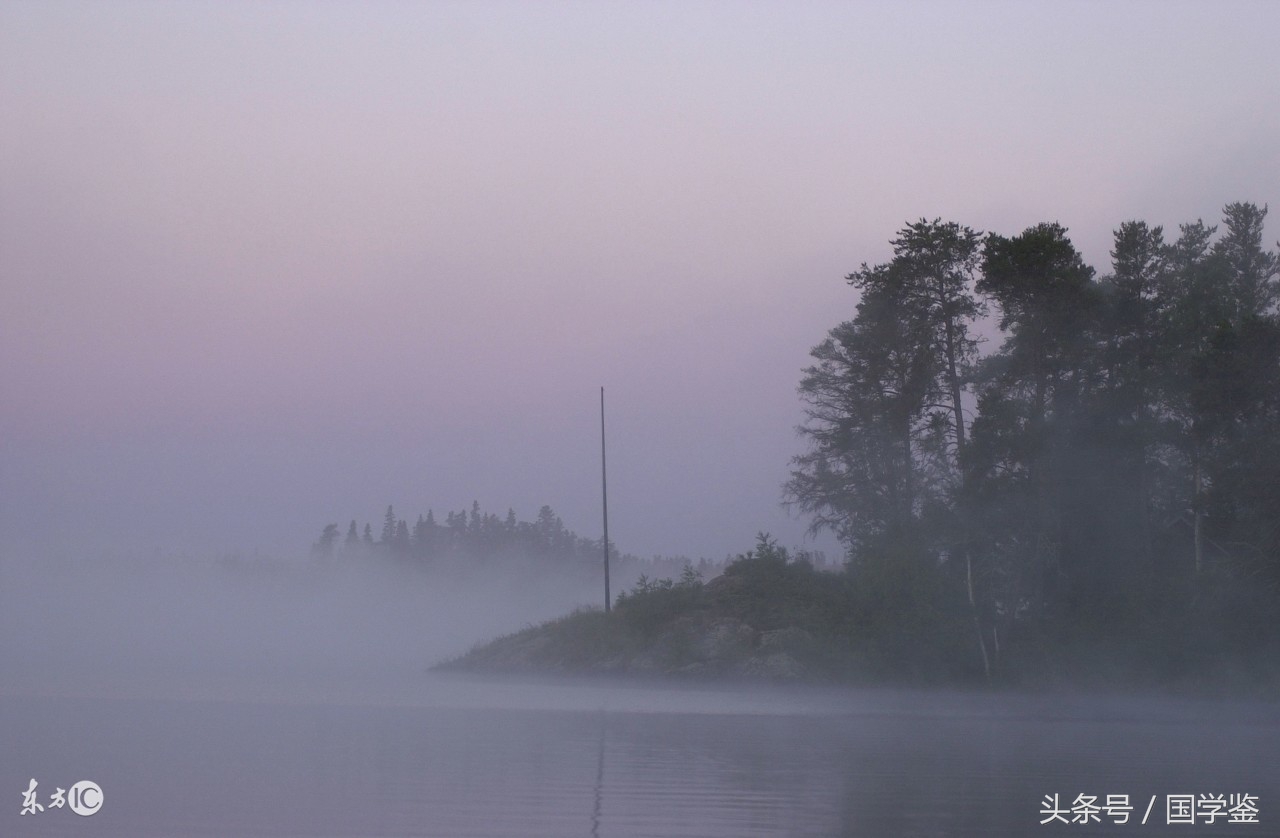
(604, 491)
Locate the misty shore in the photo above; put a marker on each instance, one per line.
(770, 619)
(701, 645)
(692, 645)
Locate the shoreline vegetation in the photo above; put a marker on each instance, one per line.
(771, 618)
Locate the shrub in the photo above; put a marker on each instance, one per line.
(652, 603)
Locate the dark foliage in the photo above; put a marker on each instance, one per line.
(1102, 486)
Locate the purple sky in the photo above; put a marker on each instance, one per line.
(271, 265)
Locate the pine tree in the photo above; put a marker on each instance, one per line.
(328, 538)
(388, 527)
(1030, 402)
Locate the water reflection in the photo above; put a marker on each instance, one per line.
(599, 789)
(891, 764)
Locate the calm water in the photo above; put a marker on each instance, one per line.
(456, 756)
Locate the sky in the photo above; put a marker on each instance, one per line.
(267, 266)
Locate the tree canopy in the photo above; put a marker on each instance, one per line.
(1113, 464)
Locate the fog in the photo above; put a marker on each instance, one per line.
(266, 696)
(254, 626)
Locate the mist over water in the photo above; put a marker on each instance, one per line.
(253, 626)
(257, 696)
(219, 768)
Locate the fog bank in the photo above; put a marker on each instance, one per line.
(252, 626)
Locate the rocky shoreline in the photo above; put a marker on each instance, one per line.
(697, 645)
(764, 618)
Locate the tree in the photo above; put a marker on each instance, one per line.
(328, 538)
(1251, 271)
(1192, 305)
(1130, 295)
(1047, 303)
(1125, 408)
(1236, 398)
(933, 281)
(388, 527)
(1218, 297)
(886, 416)
(353, 538)
(866, 402)
(935, 277)
(1032, 389)
(400, 543)
(422, 540)
(456, 525)
(550, 531)
(886, 400)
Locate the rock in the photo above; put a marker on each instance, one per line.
(778, 666)
(791, 640)
(645, 662)
(696, 644)
(724, 638)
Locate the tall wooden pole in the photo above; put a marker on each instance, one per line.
(604, 491)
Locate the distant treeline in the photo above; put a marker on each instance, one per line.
(1102, 486)
(477, 537)
(476, 534)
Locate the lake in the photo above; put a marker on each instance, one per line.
(457, 755)
(214, 700)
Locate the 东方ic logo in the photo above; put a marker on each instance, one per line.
(84, 798)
